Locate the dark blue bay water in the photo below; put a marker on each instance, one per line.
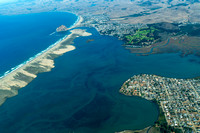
(81, 94)
(23, 36)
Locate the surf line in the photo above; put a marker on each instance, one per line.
(75, 24)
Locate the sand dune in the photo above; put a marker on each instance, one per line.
(19, 78)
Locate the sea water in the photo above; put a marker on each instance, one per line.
(23, 37)
(81, 94)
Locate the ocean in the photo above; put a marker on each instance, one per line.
(24, 36)
(81, 94)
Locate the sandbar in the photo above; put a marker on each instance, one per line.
(19, 78)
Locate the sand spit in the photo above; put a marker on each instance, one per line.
(19, 78)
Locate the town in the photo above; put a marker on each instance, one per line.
(105, 26)
(178, 98)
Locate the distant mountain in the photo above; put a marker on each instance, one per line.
(146, 11)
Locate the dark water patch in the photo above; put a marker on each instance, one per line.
(100, 107)
(194, 61)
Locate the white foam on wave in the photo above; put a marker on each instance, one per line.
(75, 22)
(52, 33)
(32, 58)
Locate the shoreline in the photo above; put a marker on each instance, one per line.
(24, 73)
(160, 90)
(76, 24)
(136, 131)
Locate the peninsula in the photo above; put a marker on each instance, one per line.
(123, 19)
(178, 99)
(19, 78)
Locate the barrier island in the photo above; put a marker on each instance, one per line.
(44, 62)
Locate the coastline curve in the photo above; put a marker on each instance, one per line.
(24, 73)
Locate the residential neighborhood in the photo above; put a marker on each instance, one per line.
(178, 98)
(105, 26)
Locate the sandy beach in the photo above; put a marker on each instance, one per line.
(78, 23)
(20, 77)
